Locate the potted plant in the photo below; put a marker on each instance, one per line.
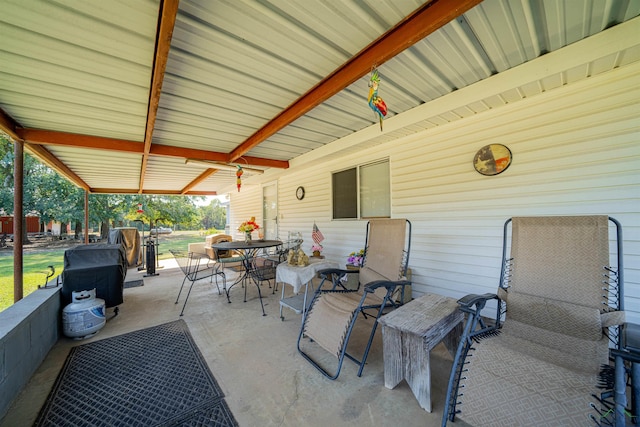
(317, 250)
(247, 228)
(355, 259)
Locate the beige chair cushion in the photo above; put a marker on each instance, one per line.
(542, 369)
(198, 247)
(555, 316)
(505, 386)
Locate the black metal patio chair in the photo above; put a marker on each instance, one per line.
(197, 266)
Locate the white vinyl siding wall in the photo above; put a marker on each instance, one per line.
(576, 150)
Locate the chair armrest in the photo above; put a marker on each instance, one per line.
(372, 286)
(473, 305)
(468, 301)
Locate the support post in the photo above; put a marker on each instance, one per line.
(86, 217)
(18, 223)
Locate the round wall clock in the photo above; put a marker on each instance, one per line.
(300, 193)
(492, 159)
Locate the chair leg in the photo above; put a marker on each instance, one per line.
(260, 296)
(635, 392)
(211, 283)
(224, 281)
(372, 335)
(620, 392)
(181, 286)
(187, 298)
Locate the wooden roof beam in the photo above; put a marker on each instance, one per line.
(156, 192)
(166, 22)
(8, 125)
(423, 21)
(204, 175)
(46, 137)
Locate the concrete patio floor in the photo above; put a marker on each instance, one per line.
(255, 361)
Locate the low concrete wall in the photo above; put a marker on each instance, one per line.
(28, 330)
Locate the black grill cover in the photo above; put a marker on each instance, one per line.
(101, 266)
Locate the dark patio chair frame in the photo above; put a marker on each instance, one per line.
(197, 266)
(335, 275)
(477, 329)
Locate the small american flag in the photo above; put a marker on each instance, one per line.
(316, 234)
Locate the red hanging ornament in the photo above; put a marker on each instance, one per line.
(239, 173)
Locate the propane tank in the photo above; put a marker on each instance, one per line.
(85, 316)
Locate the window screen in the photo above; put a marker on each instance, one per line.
(374, 190)
(345, 194)
(362, 192)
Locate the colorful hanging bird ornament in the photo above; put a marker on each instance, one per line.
(375, 102)
(239, 173)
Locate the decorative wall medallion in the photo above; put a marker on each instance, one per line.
(492, 159)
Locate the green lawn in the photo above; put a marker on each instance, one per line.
(34, 273)
(35, 264)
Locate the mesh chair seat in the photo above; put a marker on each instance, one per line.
(558, 304)
(331, 318)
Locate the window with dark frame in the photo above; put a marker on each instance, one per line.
(345, 194)
(362, 191)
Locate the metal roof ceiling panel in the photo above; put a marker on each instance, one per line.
(171, 174)
(202, 132)
(101, 169)
(195, 37)
(269, 80)
(91, 71)
(125, 31)
(265, 27)
(202, 98)
(250, 86)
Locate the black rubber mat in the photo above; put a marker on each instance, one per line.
(151, 377)
(133, 284)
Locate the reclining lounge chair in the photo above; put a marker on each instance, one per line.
(332, 315)
(537, 363)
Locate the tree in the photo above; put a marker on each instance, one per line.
(165, 210)
(56, 198)
(6, 173)
(31, 166)
(213, 215)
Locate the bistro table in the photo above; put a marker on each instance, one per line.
(249, 251)
(297, 277)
